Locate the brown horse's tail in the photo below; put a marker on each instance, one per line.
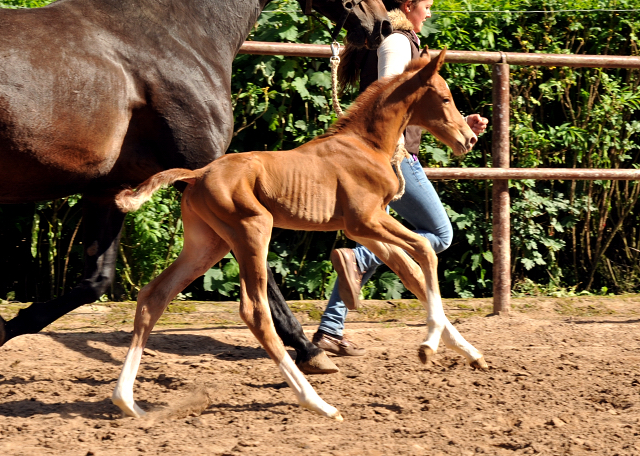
(130, 200)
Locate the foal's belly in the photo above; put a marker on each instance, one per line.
(301, 198)
(301, 224)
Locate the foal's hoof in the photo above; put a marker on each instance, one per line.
(319, 364)
(129, 408)
(426, 354)
(479, 364)
(3, 331)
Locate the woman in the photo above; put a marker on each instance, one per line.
(419, 205)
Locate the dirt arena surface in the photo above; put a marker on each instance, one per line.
(564, 378)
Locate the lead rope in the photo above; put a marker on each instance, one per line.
(335, 63)
(399, 154)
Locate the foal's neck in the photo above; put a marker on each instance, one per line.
(382, 123)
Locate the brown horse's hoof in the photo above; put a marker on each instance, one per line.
(3, 331)
(426, 355)
(319, 364)
(480, 364)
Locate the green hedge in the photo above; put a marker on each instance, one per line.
(567, 237)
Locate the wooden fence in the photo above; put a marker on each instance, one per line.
(500, 172)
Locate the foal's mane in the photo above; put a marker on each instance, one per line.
(364, 104)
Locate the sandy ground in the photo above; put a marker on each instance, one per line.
(564, 378)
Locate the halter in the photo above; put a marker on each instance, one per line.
(348, 6)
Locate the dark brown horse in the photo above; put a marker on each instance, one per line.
(97, 94)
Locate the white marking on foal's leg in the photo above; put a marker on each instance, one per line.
(307, 396)
(454, 340)
(436, 323)
(123, 393)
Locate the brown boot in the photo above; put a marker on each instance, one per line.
(349, 277)
(337, 346)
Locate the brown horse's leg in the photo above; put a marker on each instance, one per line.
(202, 249)
(15, 243)
(251, 251)
(102, 224)
(309, 358)
(386, 230)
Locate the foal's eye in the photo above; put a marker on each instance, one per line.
(446, 100)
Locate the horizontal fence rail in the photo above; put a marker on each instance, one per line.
(500, 173)
(533, 173)
(512, 58)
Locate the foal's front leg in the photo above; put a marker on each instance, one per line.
(412, 277)
(390, 241)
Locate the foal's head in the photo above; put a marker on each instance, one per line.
(435, 110)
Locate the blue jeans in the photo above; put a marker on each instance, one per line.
(422, 208)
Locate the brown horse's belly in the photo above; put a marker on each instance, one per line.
(64, 113)
(27, 180)
(43, 167)
(55, 162)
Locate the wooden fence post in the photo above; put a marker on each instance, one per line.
(501, 201)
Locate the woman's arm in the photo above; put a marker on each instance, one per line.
(393, 55)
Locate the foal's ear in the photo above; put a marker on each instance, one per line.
(440, 58)
(425, 53)
(432, 67)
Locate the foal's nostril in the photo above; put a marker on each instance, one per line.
(473, 140)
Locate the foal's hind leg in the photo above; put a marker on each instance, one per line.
(202, 249)
(251, 252)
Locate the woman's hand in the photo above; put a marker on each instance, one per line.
(477, 123)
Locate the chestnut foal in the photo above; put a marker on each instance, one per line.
(341, 180)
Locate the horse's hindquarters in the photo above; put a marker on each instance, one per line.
(64, 106)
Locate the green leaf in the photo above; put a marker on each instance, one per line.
(488, 255)
(392, 285)
(288, 33)
(321, 79)
(300, 85)
(213, 277)
(231, 269)
(288, 69)
(439, 155)
(528, 264)
(429, 27)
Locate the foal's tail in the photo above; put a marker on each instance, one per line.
(130, 200)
